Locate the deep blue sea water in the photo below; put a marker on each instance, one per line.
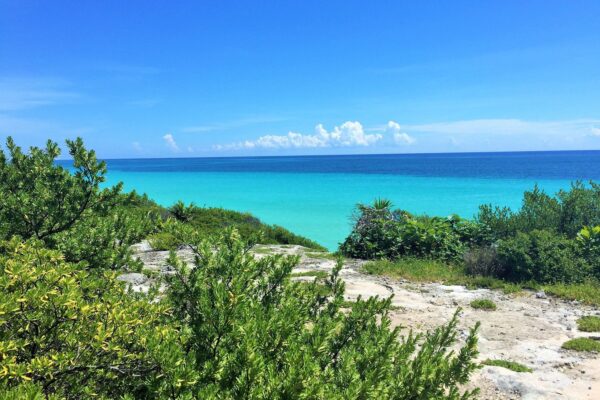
(315, 195)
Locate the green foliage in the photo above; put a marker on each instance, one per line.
(68, 211)
(589, 242)
(512, 365)
(589, 323)
(181, 212)
(566, 213)
(40, 199)
(317, 274)
(212, 221)
(77, 334)
(541, 256)
(587, 292)
(380, 232)
(255, 333)
(415, 269)
(483, 304)
(582, 344)
(483, 261)
(164, 241)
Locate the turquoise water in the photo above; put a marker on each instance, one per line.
(316, 196)
(319, 206)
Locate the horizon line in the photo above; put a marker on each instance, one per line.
(347, 154)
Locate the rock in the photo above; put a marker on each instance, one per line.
(133, 278)
(142, 247)
(540, 295)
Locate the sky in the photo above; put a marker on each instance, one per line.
(251, 78)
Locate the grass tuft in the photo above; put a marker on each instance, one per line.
(316, 274)
(321, 255)
(414, 269)
(424, 270)
(589, 323)
(582, 344)
(587, 293)
(483, 304)
(513, 366)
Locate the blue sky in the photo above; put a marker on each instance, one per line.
(185, 79)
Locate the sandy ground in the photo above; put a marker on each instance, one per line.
(528, 328)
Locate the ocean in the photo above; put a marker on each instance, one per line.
(315, 195)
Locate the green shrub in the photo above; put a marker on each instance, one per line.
(68, 211)
(588, 239)
(541, 256)
(566, 213)
(73, 334)
(483, 304)
(181, 212)
(380, 232)
(513, 366)
(483, 261)
(589, 323)
(580, 206)
(255, 333)
(582, 344)
(164, 241)
(376, 234)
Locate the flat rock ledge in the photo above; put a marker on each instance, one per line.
(528, 328)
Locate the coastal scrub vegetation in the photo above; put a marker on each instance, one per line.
(212, 220)
(551, 242)
(231, 326)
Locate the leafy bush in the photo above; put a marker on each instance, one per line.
(566, 213)
(164, 241)
(376, 233)
(380, 232)
(40, 199)
(69, 211)
(541, 256)
(181, 212)
(483, 261)
(483, 304)
(255, 333)
(77, 334)
(589, 242)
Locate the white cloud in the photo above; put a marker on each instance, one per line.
(349, 134)
(400, 137)
(465, 135)
(170, 141)
(137, 146)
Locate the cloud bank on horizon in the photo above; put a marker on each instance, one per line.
(393, 137)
